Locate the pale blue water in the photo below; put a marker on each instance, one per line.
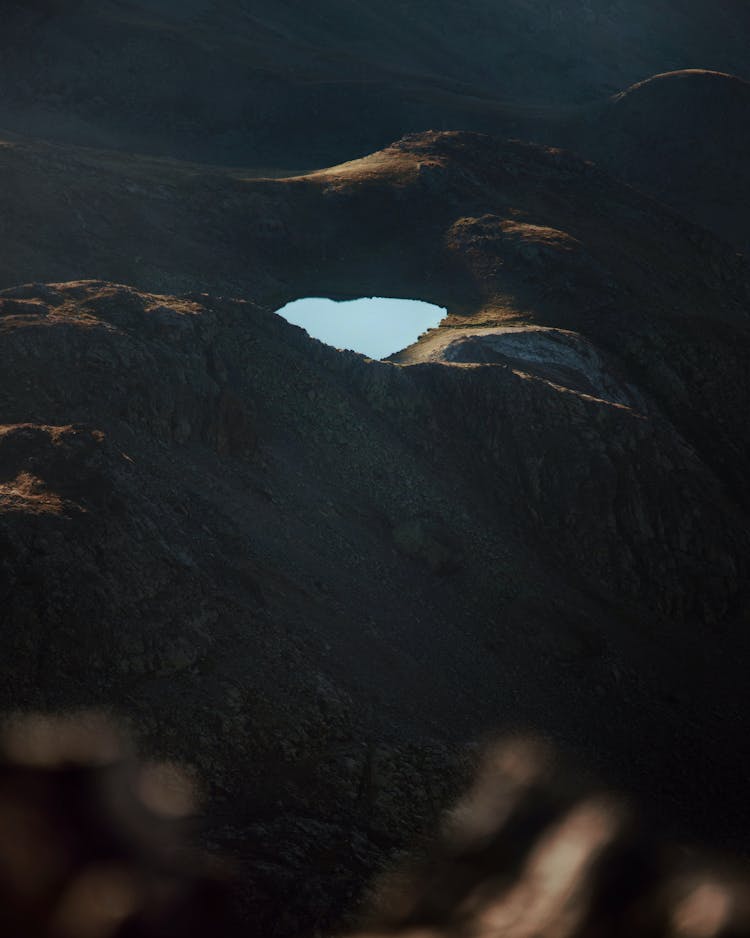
(375, 326)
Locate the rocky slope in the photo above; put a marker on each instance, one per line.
(318, 579)
(499, 232)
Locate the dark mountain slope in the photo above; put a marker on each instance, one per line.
(315, 577)
(241, 83)
(498, 232)
(247, 82)
(683, 137)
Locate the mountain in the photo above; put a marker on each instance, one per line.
(316, 577)
(682, 137)
(321, 581)
(244, 83)
(247, 82)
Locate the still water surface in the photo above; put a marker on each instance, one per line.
(375, 326)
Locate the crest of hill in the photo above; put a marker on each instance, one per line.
(682, 136)
(253, 83)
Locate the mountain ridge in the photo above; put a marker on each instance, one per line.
(217, 82)
(319, 580)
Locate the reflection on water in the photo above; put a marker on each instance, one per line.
(375, 326)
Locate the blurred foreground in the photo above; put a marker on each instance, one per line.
(97, 844)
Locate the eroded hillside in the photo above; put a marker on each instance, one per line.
(319, 579)
(317, 576)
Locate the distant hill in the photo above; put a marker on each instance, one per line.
(683, 137)
(276, 84)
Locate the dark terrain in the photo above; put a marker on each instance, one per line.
(318, 579)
